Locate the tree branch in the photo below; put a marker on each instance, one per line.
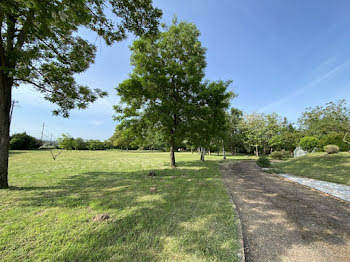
(24, 32)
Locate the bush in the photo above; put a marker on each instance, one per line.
(22, 141)
(263, 162)
(308, 143)
(331, 149)
(280, 155)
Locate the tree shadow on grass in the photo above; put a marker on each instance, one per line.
(187, 218)
(12, 152)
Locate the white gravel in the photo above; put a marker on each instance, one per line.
(337, 190)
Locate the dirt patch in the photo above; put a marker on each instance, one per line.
(284, 221)
(100, 218)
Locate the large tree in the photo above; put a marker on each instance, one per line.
(209, 125)
(40, 46)
(322, 120)
(166, 81)
(253, 127)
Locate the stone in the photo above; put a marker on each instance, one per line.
(298, 152)
(100, 218)
(153, 189)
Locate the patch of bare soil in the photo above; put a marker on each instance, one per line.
(284, 221)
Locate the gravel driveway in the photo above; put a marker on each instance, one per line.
(284, 221)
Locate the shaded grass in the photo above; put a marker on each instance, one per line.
(332, 168)
(47, 214)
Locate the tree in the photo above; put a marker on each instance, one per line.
(22, 141)
(253, 127)
(209, 121)
(273, 128)
(94, 144)
(39, 46)
(79, 144)
(235, 136)
(66, 142)
(165, 82)
(322, 120)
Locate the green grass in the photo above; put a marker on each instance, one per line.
(47, 214)
(332, 168)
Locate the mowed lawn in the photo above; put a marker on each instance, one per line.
(333, 168)
(47, 214)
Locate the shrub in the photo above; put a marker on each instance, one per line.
(280, 155)
(331, 149)
(263, 162)
(308, 143)
(22, 141)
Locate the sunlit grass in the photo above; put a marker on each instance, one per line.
(333, 168)
(47, 214)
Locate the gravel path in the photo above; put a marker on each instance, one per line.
(284, 221)
(337, 190)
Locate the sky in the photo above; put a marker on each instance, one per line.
(282, 56)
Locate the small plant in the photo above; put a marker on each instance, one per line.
(280, 155)
(331, 149)
(263, 162)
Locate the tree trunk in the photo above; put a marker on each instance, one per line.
(256, 151)
(202, 153)
(172, 152)
(5, 107)
(223, 151)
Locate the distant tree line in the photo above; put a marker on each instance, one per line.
(253, 133)
(69, 143)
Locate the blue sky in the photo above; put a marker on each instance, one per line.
(283, 56)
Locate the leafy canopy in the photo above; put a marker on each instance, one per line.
(164, 86)
(40, 45)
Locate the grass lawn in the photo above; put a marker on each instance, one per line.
(332, 168)
(47, 214)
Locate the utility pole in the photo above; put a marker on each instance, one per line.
(13, 102)
(42, 131)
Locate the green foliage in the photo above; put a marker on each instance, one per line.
(40, 46)
(22, 141)
(209, 125)
(94, 144)
(308, 143)
(334, 138)
(253, 128)
(280, 155)
(165, 90)
(331, 149)
(79, 144)
(263, 162)
(66, 142)
(322, 120)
